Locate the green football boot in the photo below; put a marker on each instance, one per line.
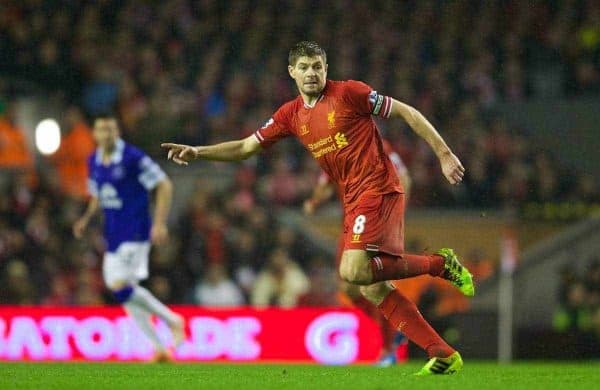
(456, 273)
(442, 366)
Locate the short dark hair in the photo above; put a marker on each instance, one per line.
(306, 48)
(105, 116)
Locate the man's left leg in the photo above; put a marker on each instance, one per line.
(404, 316)
(388, 333)
(131, 265)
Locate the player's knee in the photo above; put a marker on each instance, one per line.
(375, 293)
(355, 271)
(122, 295)
(115, 284)
(121, 290)
(351, 290)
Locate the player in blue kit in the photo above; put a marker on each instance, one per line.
(121, 178)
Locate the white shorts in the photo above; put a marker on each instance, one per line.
(129, 263)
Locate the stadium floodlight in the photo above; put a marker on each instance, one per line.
(47, 136)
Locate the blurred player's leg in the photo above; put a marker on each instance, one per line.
(122, 271)
(144, 299)
(392, 340)
(143, 320)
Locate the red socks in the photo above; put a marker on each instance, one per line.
(387, 330)
(388, 267)
(406, 318)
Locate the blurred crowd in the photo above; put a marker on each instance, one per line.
(226, 250)
(579, 297)
(205, 71)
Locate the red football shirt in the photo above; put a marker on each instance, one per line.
(394, 157)
(341, 135)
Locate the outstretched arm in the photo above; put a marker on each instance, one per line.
(451, 165)
(226, 151)
(164, 194)
(81, 224)
(321, 193)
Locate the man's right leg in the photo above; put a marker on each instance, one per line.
(123, 291)
(120, 271)
(443, 264)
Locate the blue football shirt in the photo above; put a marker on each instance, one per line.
(122, 188)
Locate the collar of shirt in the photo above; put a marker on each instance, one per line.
(321, 96)
(117, 154)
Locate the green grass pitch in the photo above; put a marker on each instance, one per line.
(475, 375)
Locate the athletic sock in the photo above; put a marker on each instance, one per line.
(406, 318)
(372, 311)
(143, 320)
(388, 333)
(388, 267)
(366, 306)
(144, 299)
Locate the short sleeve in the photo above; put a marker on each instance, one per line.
(92, 184)
(366, 101)
(276, 128)
(92, 187)
(150, 173)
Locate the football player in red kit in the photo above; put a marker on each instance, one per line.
(333, 120)
(350, 293)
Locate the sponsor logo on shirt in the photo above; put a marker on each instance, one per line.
(118, 173)
(304, 130)
(328, 144)
(109, 197)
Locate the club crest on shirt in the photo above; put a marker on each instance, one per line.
(341, 140)
(331, 119)
(118, 173)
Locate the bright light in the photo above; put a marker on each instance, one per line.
(47, 136)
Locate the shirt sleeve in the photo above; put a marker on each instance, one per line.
(150, 173)
(276, 128)
(366, 101)
(92, 185)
